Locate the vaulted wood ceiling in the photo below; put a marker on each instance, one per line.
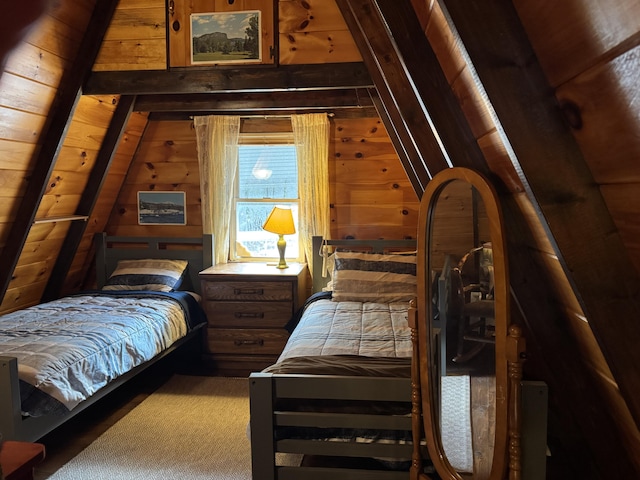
(547, 190)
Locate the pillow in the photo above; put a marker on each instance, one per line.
(371, 277)
(156, 274)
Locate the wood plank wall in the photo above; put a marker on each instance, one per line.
(593, 67)
(370, 194)
(590, 63)
(28, 87)
(588, 50)
(136, 38)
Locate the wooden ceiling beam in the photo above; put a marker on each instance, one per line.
(405, 71)
(416, 102)
(89, 197)
(247, 79)
(249, 103)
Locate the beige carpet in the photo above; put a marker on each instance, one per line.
(191, 428)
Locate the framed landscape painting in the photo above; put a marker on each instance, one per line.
(226, 37)
(162, 208)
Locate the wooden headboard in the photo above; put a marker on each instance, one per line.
(353, 245)
(197, 251)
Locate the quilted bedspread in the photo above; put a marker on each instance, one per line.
(72, 347)
(351, 328)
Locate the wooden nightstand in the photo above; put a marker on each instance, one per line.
(248, 306)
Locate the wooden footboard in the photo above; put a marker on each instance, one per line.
(14, 426)
(268, 392)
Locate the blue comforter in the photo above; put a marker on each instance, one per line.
(69, 348)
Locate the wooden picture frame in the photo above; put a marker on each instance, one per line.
(162, 208)
(226, 37)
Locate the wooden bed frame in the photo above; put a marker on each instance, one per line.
(267, 389)
(199, 253)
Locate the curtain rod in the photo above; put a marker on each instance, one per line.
(283, 115)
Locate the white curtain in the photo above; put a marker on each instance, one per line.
(217, 142)
(311, 137)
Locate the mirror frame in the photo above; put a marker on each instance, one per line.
(428, 371)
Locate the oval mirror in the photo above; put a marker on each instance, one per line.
(463, 306)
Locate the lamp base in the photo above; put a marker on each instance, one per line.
(282, 245)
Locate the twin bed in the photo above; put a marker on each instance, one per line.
(339, 398)
(59, 357)
(340, 394)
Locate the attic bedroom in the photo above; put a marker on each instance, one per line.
(105, 105)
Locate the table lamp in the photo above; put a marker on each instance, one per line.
(280, 221)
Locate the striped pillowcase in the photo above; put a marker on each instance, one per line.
(155, 274)
(370, 277)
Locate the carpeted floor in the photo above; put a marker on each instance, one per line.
(193, 427)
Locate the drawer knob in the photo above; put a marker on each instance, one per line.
(248, 315)
(240, 343)
(248, 291)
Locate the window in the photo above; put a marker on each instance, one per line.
(267, 176)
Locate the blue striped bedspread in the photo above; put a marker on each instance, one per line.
(69, 348)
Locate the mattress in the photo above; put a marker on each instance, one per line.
(69, 348)
(351, 328)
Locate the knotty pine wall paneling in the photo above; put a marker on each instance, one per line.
(371, 196)
(180, 27)
(314, 31)
(166, 160)
(307, 33)
(81, 274)
(587, 52)
(28, 86)
(136, 38)
(70, 174)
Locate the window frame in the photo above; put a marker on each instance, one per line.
(279, 138)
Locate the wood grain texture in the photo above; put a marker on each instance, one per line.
(136, 38)
(180, 28)
(572, 36)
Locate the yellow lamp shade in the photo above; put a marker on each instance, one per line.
(280, 221)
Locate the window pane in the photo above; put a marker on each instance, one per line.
(252, 240)
(267, 171)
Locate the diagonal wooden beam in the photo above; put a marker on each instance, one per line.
(54, 132)
(406, 74)
(397, 79)
(242, 79)
(89, 197)
(558, 181)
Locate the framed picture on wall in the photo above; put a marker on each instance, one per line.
(226, 37)
(162, 208)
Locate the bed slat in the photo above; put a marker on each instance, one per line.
(330, 387)
(317, 473)
(342, 420)
(345, 449)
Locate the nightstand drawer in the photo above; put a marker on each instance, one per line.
(248, 341)
(248, 291)
(248, 314)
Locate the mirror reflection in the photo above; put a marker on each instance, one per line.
(463, 328)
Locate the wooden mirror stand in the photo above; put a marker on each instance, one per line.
(463, 336)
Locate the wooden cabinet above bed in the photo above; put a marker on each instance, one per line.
(248, 305)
